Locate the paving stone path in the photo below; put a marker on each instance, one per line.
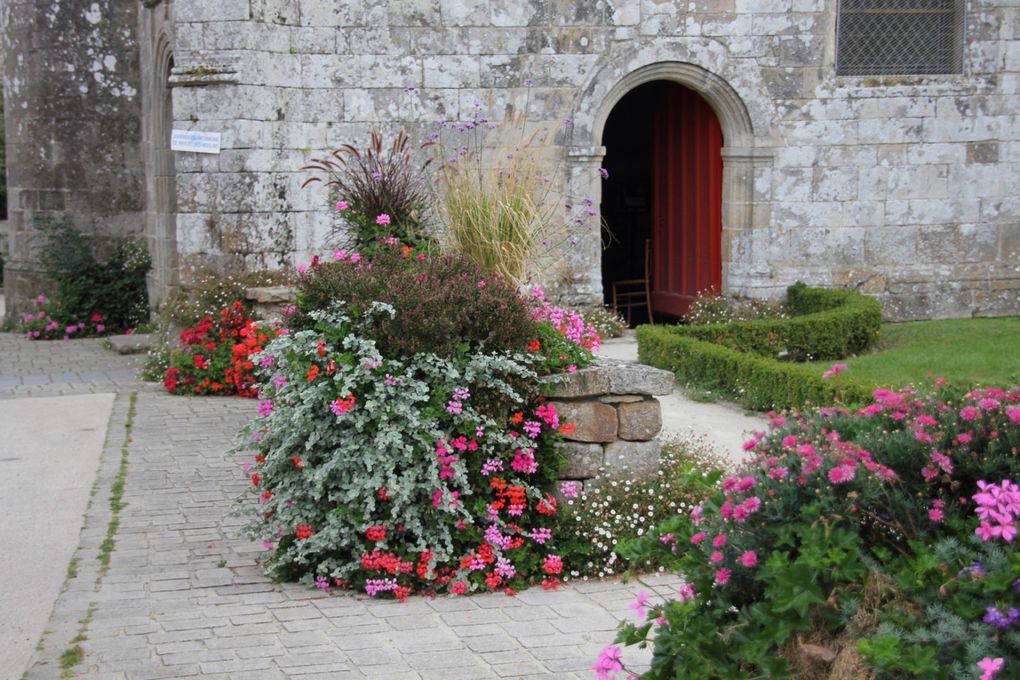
(183, 595)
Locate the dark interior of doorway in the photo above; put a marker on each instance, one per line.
(627, 194)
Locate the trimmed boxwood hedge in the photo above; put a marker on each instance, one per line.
(755, 381)
(827, 324)
(738, 358)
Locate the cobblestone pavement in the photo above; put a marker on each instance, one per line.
(183, 595)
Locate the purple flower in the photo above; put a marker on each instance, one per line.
(265, 407)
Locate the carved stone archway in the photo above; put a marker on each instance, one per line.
(743, 156)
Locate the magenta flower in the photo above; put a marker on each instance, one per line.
(749, 559)
(608, 662)
(685, 591)
(638, 605)
(568, 489)
(382, 219)
(990, 667)
(698, 537)
(834, 370)
(716, 557)
(841, 474)
(265, 407)
(719, 541)
(722, 576)
(968, 413)
(341, 206)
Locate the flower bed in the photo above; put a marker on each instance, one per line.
(402, 445)
(879, 541)
(214, 356)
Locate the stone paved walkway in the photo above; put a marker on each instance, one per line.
(184, 596)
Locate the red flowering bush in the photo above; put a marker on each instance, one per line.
(886, 537)
(215, 355)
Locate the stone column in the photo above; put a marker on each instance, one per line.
(746, 209)
(584, 258)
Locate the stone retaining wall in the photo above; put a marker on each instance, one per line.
(616, 418)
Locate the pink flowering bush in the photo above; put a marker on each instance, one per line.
(886, 537)
(379, 466)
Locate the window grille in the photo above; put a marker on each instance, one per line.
(899, 37)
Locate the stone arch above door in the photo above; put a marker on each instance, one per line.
(743, 155)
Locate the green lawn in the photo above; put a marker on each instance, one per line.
(963, 351)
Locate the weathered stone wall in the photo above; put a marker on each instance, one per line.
(73, 117)
(901, 187)
(616, 418)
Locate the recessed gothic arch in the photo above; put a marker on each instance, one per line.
(743, 155)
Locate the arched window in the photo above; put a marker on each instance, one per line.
(899, 37)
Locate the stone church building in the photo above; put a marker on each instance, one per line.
(870, 144)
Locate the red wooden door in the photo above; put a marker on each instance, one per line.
(686, 200)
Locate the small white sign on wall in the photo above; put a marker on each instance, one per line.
(193, 140)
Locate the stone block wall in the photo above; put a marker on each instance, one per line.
(72, 114)
(902, 187)
(616, 418)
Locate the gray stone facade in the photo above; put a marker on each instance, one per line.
(901, 187)
(73, 126)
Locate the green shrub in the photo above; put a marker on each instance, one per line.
(108, 293)
(710, 308)
(616, 507)
(607, 323)
(827, 324)
(442, 304)
(755, 381)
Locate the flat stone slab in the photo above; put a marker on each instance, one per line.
(271, 294)
(610, 376)
(136, 343)
(48, 462)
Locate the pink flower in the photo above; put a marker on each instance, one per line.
(841, 474)
(568, 489)
(638, 605)
(722, 576)
(990, 666)
(968, 413)
(719, 541)
(341, 206)
(989, 404)
(716, 557)
(1014, 415)
(382, 219)
(685, 591)
(749, 559)
(935, 515)
(835, 369)
(608, 662)
(698, 537)
(265, 407)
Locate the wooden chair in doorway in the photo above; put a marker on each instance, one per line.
(632, 294)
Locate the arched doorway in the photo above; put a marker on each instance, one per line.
(664, 157)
